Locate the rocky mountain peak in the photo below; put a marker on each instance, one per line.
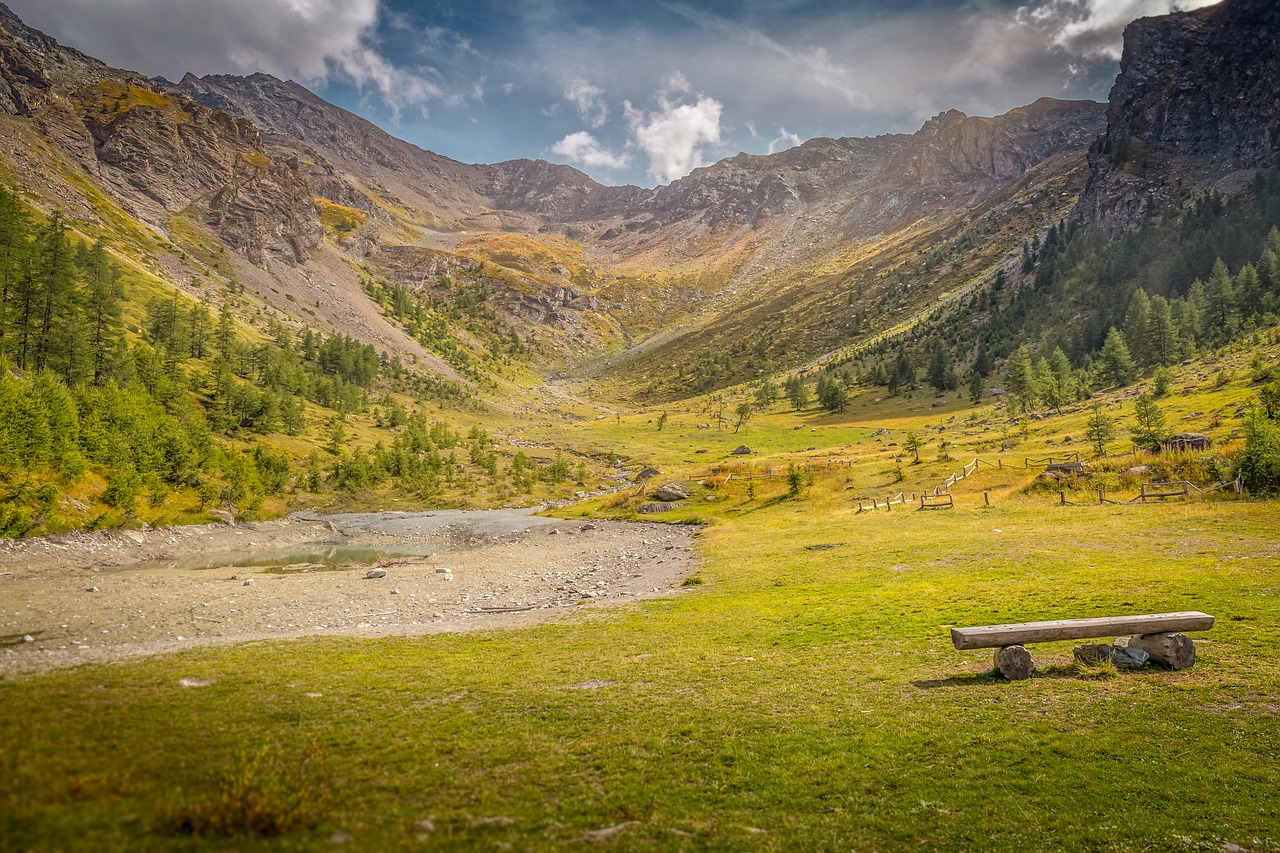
(1194, 104)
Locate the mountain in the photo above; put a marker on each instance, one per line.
(256, 183)
(704, 245)
(1194, 106)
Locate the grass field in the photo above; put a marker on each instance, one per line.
(798, 698)
(800, 693)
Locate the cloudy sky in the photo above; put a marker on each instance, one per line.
(629, 91)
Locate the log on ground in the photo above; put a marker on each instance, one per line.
(1014, 662)
(1176, 651)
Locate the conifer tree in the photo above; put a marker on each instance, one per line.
(942, 372)
(1020, 380)
(1148, 430)
(1115, 364)
(1163, 346)
(1136, 324)
(14, 249)
(102, 309)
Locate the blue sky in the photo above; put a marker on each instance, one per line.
(629, 92)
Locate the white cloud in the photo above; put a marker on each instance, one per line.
(673, 136)
(312, 40)
(589, 100)
(585, 150)
(784, 140)
(1095, 28)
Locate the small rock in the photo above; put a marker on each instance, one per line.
(670, 492)
(248, 582)
(373, 574)
(647, 474)
(27, 638)
(339, 837)
(395, 592)
(92, 589)
(437, 615)
(441, 570)
(553, 532)
(1129, 657)
(426, 825)
(588, 526)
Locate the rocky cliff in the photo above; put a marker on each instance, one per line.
(1196, 104)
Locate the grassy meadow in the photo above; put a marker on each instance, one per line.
(800, 692)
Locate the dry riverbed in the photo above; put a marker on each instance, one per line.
(107, 596)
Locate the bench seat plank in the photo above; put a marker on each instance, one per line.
(996, 636)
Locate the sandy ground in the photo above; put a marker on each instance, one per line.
(109, 596)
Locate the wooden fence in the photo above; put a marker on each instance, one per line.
(945, 486)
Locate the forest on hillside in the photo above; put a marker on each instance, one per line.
(162, 409)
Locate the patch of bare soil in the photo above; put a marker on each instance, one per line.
(109, 596)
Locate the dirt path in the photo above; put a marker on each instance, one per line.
(120, 594)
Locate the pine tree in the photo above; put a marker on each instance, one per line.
(1020, 380)
(942, 372)
(15, 231)
(903, 377)
(1248, 288)
(58, 311)
(1048, 389)
(1099, 430)
(1136, 324)
(1148, 430)
(975, 387)
(102, 309)
(1163, 346)
(1220, 297)
(1115, 365)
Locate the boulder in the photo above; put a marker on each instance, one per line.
(647, 474)
(669, 492)
(375, 573)
(658, 507)
(741, 450)
(221, 515)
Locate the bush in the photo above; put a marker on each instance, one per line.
(1259, 463)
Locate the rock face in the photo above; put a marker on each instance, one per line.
(1196, 102)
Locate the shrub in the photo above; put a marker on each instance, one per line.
(1259, 462)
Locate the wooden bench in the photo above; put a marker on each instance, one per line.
(1158, 634)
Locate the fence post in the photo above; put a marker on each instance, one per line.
(1142, 492)
(986, 498)
(921, 500)
(999, 463)
(1062, 495)
(859, 506)
(1102, 496)
(888, 505)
